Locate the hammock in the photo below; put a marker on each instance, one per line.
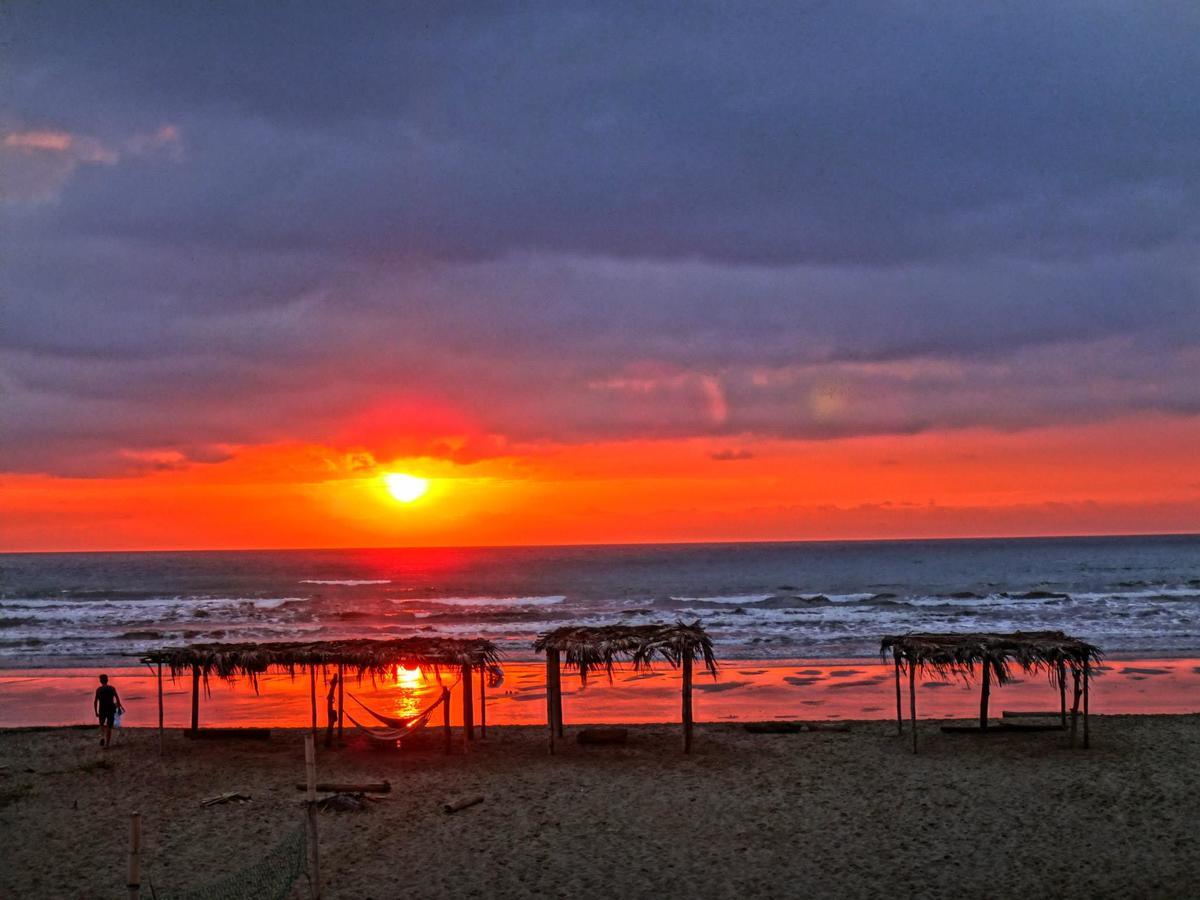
(412, 725)
(397, 721)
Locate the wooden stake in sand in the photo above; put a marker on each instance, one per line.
(1086, 679)
(1074, 704)
(899, 707)
(550, 661)
(985, 695)
(1062, 694)
(341, 699)
(160, 710)
(312, 696)
(483, 677)
(310, 771)
(446, 717)
(195, 699)
(133, 879)
(558, 708)
(912, 700)
(468, 703)
(687, 702)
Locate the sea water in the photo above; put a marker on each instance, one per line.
(1134, 596)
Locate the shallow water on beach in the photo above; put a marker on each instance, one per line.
(1134, 596)
(745, 690)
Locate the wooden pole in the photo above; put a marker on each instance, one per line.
(341, 710)
(134, 878)
(687, 701)
(195, 699)
(446, 717)
(550, 654)
(985, 695)
(912, 700)
(899, 707)
(1086, 737)
(1062, 694)
(160, 709)
(312, 696)
(483, 677)
(1074, 705)
(310, 772)
(558, 707)
(468, 702)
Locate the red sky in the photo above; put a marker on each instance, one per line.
(1136, 475)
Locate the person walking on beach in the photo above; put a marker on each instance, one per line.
(332, 710)
(107, 706)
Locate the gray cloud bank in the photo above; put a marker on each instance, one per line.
(585, 221)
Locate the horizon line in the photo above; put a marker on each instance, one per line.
(588, 544)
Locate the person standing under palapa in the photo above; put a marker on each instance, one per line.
(107, 706)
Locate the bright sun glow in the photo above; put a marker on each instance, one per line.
(405, 488)
(407, 678)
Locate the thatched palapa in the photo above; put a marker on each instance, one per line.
(602, 647)
(361, 656)
(996, 655)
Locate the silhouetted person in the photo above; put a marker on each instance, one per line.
(331, 709)
(107, 706)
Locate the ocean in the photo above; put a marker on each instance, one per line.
(1133, 596)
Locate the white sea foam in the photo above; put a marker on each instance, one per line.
(346, 582)
(483, 602)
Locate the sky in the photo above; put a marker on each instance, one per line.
(602, 272)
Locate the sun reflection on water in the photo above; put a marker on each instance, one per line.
(412, 688)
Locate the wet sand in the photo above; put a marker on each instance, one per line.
(814, 814)
(746, 690)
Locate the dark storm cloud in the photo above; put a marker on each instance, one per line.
(242, 222)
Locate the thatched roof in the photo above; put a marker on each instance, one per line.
(959, 654)
(362, 657)
(588, 648)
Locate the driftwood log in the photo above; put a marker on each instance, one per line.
(462, 803)
(341, 787)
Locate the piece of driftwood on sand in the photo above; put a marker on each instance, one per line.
(590, 648)
(952, 655)
(363, 657)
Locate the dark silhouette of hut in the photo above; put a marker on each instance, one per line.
(1051, 653)
(362, 657)
(602, 647)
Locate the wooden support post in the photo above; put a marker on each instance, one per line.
(550, 719)
(195, 699)
(687, 701)
(1086, 737)
(468, 702)
(899, 707)
(134, 878)
(483, 677)
(558, 708)
(310, 772)
(312, 696)
(1062, 694)
(446, 717)
(160, 709)
(985, 695)
(341, 710)
(1074, 705)
(912, 700)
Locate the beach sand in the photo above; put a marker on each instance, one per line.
(814, 814)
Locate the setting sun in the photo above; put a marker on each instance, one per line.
(405, 488)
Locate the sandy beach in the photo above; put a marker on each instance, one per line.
(849, 814)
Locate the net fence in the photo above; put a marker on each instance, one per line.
(269, 878)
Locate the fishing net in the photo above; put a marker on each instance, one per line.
(270, 878)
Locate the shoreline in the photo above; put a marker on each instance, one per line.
(745, 690)
(848, 814)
